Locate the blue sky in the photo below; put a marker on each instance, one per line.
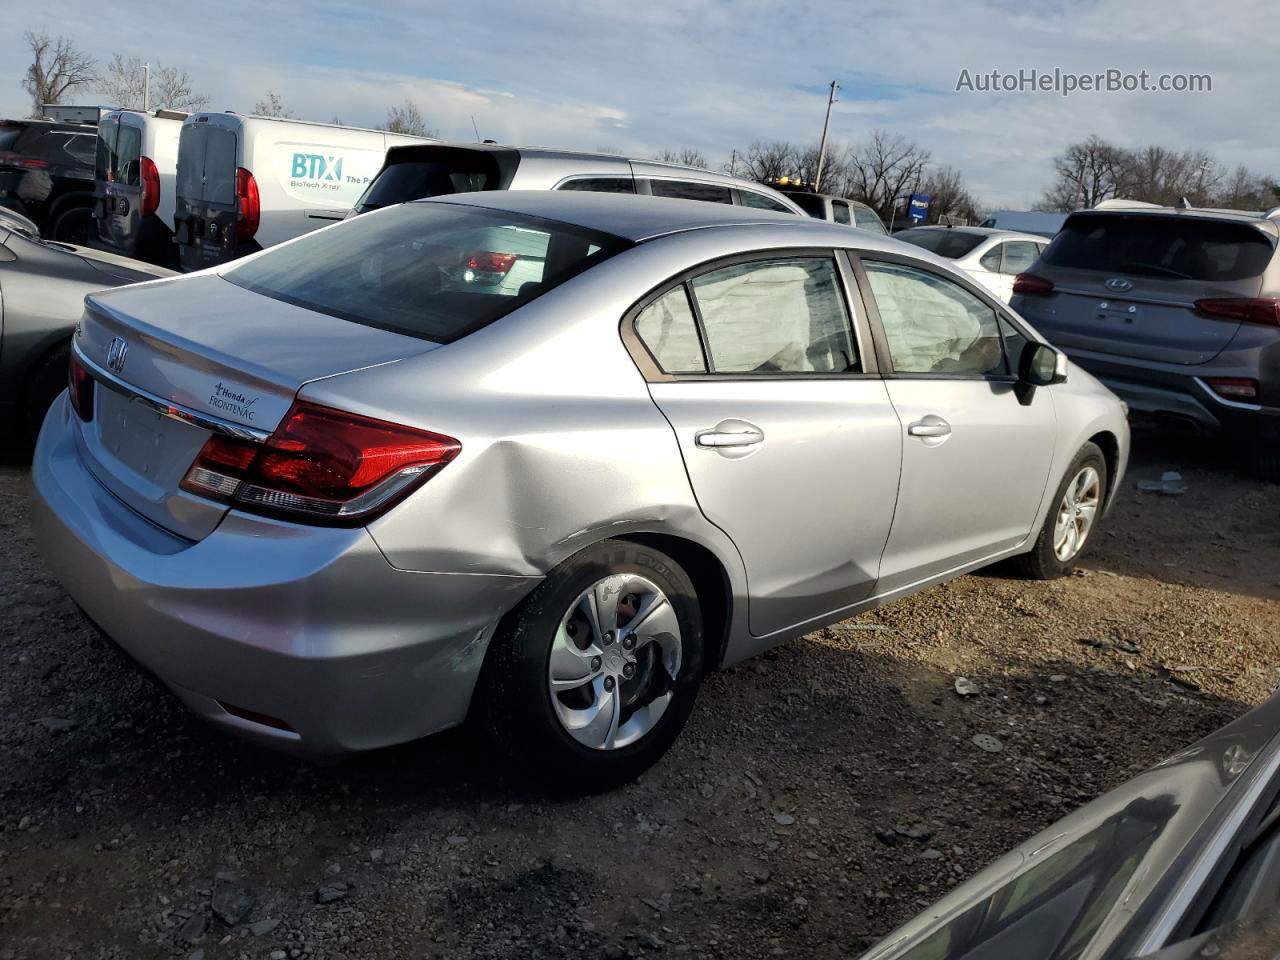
(716, 75)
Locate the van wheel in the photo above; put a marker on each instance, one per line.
(1072, 517)
(72, 226)
(44, 383)
(592, 678)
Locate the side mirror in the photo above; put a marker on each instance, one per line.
(1042, 365)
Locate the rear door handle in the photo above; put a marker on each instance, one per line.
(726, 438)
(930, 426)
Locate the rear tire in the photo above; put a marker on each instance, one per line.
(72, 226)
(44, 383)
(1084, 488)
(569, 634)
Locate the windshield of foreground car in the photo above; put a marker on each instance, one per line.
(951, 244)
(438, 271)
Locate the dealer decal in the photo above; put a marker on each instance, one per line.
(230, 401)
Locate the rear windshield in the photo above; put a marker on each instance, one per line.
(434, 174)
(1181, 249)
(207, 163)
(438, 271)
(810, 204)
(945, 243)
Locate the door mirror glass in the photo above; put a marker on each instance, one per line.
(1042, 365)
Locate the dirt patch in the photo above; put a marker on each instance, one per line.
(822, 793)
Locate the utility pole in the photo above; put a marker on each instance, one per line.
(146, 88)
(822, 147)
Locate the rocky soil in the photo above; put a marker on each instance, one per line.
(822, 793)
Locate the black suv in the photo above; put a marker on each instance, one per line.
(46, 173)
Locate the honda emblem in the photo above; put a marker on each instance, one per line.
(116, 353)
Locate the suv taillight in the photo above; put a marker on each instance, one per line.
(248, 203)
(1233, 388)
(80, 389)
(1260, 310)
(150, 186)
(321, 464)
(1030, 284)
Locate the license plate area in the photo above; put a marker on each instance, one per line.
(1117, 311)
(151, 450)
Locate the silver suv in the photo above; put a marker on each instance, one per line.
(1176, 310)
(434, 170)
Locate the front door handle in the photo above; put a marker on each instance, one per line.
(930, 426)
(728, 438)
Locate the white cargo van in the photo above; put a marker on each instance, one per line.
(133, 189)
(245, 182)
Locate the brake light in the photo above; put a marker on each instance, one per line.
(1031, 285)
(80, 389)
(150, 186)
(1261, 310)
(10, 159)
(1233, 388)
(490, 262)
(322, 464)
(248, 203)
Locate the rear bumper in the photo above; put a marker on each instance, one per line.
(310, 626)
(1181, 393)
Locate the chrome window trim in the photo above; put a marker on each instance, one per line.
(167, 408)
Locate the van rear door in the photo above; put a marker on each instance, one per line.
(207, 214)
(120, 211)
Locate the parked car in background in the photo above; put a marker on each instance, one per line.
(434, 170)
(1041, 223)
(824, 206)
(1176, 310)
(992, 257)
(134, 185)
(1181, 862)
(42, 289)
(246, 182)
(46, 174)
(563, 499)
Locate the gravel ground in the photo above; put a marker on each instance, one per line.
(821, 794)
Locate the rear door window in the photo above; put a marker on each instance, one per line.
(945, 243)
(867, 220)
(776, 316)
(128, 155)
(104, 163)
(1168, 247)
(670, 333)
(191, 143)
(433, 270)
(840, 210)
(600, 185)
(219, 166)
(691, 190)
(992, 259)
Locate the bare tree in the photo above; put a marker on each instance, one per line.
(883, 170)
(57, 66)
(685, 157)
(170, 87)
(272, 106)
(949, 200)
(1086, 173)
(1245, 189)
(408, 120)
(766, 162)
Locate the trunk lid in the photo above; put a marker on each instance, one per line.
(1126, 285)
(231, 358)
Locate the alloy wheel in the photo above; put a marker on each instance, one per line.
(1076, 514)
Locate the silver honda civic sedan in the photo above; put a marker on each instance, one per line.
(544, 460)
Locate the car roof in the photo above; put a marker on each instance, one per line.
(983, 232)
(1263, 220)
(639, 218)
(828, 196)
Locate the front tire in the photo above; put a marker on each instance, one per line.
(592, 678)
(1072, 518)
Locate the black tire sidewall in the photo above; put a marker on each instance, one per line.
(43, 385)
(1042, 562)
(516, 701)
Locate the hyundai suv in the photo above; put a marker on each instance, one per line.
(1177, 310)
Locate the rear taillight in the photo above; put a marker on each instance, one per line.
(80, 389)
(321, 464)
(1030, 284)
(1261, 310)
(486, 266)
(21, 160)
(248, 203)
(1233, 388)
(150, 186)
